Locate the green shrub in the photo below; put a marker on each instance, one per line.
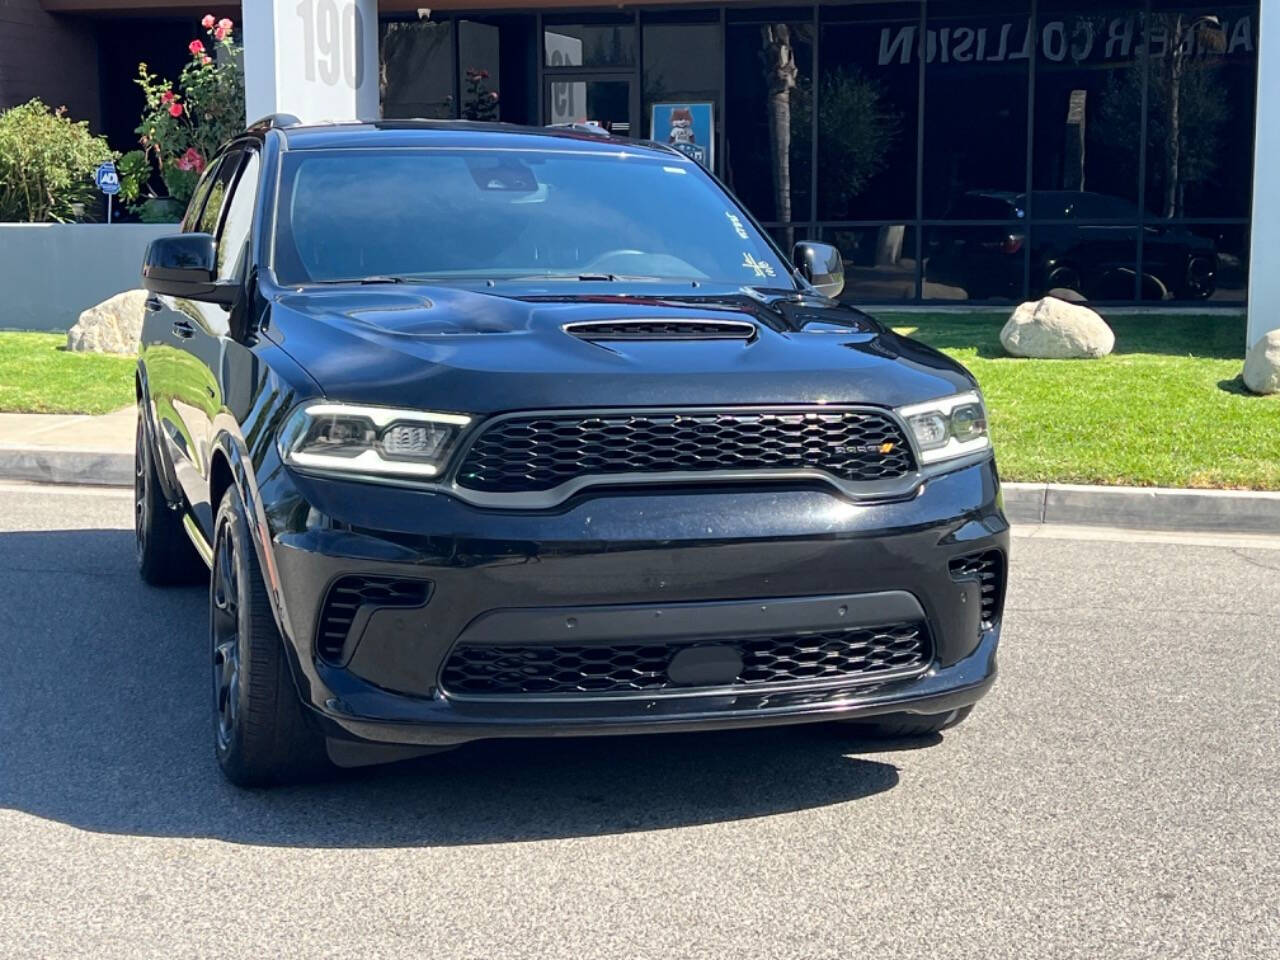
(46, 164)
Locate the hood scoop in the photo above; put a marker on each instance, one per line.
(673, 329)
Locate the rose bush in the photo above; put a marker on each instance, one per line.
(186, 122)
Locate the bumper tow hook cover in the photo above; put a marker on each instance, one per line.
(705, 666)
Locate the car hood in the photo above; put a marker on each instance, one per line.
(492, 350)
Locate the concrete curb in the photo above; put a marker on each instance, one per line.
(57, 465)
(1135, 508)
(1144, 508)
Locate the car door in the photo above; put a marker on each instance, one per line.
(199, 395)
(166, 326)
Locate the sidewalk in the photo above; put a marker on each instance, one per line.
(45, 448)
(59, 448)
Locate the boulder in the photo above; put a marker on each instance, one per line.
(113, 326)
(1053, 329)
(1262, 365)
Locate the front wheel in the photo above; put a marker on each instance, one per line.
(901, 725)
(262, 735)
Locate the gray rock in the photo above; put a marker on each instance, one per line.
(1262, 365)
(112, 326)
(1053, 329)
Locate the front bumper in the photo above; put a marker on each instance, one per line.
(697, 556)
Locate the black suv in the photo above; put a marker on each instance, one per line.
(495, 432)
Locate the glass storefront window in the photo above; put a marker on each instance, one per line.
(1088, 114)
(417, 69)
(610, 43)
(868, 100)
(769, 117)
(879, 262)
(479, 70)
(1201, 92)
(975, 262)
(1195, 262)
(683, 61)
(1090, 262)
(975, 105)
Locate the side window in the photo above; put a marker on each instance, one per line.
(191, 219)
(212, 212)
(237, 223)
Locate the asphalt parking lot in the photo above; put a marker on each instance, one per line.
(1115, 796)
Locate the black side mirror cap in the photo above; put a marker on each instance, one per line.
(822, 265)
(186, 265)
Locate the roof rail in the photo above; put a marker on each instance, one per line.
(274, 120)
(591, 127)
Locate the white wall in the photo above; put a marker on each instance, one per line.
(315, 59)
(1264, 245)
(49, 272)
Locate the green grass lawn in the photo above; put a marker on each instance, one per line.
(1167, 408)
(38, 376)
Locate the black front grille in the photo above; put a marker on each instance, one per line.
(532, 453)
(348, 595)
(988, 569)
(870, 652)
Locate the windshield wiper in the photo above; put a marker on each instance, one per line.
(364, 280)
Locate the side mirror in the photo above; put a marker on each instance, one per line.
(822, 265)
(185, 265)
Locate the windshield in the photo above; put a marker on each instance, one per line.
(511, 214)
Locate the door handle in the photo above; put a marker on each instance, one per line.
(183, 330)
(153, 305)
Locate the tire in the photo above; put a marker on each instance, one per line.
(164, 552)
(903, 725)
(261, 732)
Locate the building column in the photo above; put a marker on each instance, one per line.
(315, 59)
(1264, 241)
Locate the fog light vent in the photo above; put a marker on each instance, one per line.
(345, 601)
(988, 569)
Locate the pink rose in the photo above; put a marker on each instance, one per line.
(225, 25)
(175, 109)
(207, 22)
(219, 34)
(168, 96)
(196, 47)
(206, 60)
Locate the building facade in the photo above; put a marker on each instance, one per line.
(954, 150)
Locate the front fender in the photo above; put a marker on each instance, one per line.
(159, 451)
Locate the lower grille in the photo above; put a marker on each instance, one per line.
(870, 652)
(988, 569)
(348, 595)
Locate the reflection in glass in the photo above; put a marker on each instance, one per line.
(478, 69)
(590, 44)
(1201, 108)
(879, 262)
(417, 69)
(975, 100)
(1193, 262)
(1084, 262)
(975, 263)
(1089, 98)
(867, 105)
(769, 124)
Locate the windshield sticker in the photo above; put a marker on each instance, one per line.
(738, 228)
(761, 267)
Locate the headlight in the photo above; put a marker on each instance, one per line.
(372, 441)
(950, 427)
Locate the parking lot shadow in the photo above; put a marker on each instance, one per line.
(104, 725)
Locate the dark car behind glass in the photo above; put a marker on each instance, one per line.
(1070, 249)
(494, 432)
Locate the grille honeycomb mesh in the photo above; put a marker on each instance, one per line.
(535, 453)
(639, 667)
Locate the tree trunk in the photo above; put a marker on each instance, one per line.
(781, 73)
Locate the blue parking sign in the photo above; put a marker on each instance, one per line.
(107, 179)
